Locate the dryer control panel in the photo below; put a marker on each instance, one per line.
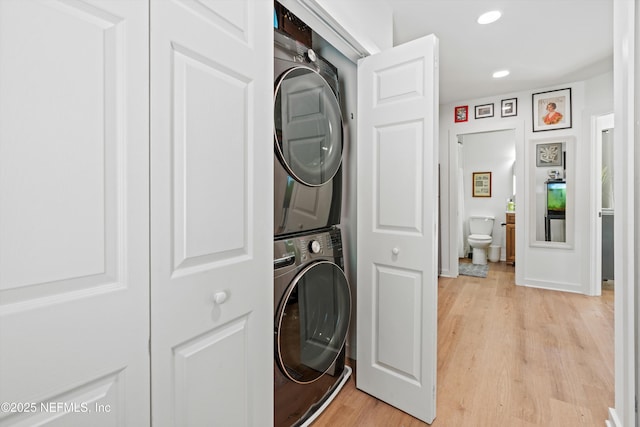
(303, 248)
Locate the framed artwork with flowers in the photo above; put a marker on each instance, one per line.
(461, 113)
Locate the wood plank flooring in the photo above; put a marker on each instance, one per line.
(507, 356)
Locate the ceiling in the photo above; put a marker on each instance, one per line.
(542, 42)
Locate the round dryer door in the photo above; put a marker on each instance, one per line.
(312, 322)
(308, 126)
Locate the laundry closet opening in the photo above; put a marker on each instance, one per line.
(312, 294)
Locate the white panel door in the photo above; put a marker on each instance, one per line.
(397, 220)
(211, 212)
(74, 218)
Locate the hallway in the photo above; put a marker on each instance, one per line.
(507, 355)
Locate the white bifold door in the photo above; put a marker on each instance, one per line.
(136, 213)
(211, 213)
(397, 223)
(74, 216)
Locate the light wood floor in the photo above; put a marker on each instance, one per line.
(507, 356)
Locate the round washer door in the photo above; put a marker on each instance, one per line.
(307, 126)
(312, 322)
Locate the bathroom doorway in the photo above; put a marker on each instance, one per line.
(492, 152)
(604, 205)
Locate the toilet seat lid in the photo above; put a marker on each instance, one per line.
(480, 237)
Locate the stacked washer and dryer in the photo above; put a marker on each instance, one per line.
(312, 299)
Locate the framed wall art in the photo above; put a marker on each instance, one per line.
(509, 107)
(461, 113)
(481, 184)
(549, 154)
(483, 111)
(552, 110)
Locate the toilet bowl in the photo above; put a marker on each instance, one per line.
(480, 228)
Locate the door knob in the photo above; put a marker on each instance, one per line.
(220, 297)
(395, 251)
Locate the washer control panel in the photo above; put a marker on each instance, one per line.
(291, 252)
(314, 247)
(323, 244)
(300, 249)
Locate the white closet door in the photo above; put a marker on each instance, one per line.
(212, 212)
(397, 220)
(74, 220)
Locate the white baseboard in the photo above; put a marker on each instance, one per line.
(576, 288)
(613, 420)
(446, 273)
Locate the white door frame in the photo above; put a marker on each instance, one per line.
(598, 124)
(462, 129)
(626, 94)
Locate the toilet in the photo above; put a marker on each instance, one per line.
(480, 229)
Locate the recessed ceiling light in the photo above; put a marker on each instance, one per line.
(500, 74)
(489, 17)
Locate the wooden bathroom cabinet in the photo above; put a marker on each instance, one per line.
(511, 238)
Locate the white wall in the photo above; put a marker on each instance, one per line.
(590, 97)
(493, 152)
